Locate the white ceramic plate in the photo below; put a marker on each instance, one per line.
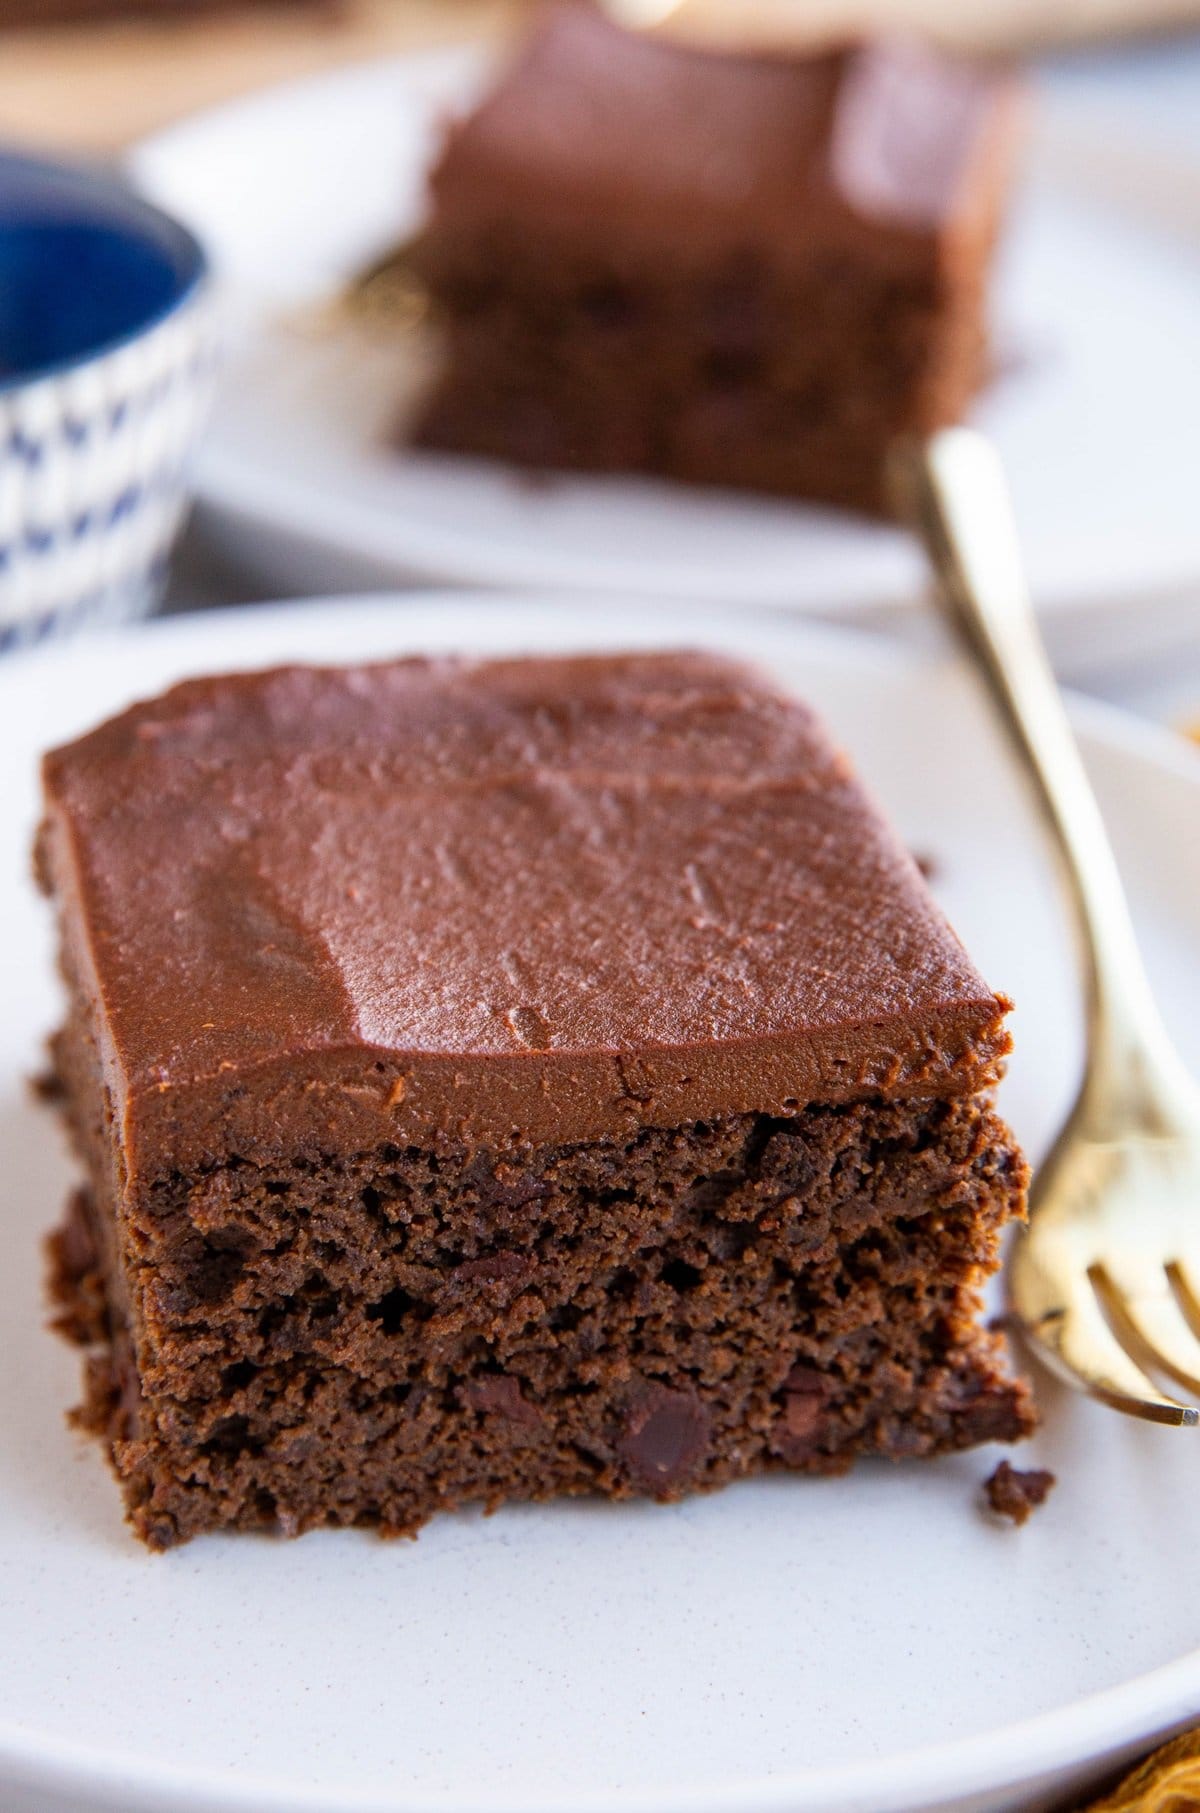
(857, 1645)
(297, 188)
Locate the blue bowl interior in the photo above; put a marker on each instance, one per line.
(85, 265)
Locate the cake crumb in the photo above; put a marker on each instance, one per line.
(1016, 1494)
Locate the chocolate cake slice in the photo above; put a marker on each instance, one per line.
(506, 1080)
(740, 269)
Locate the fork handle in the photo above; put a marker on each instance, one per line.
(953, 488)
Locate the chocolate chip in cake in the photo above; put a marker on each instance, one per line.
(666, 1433)
(796, 1436)
(499, 1394)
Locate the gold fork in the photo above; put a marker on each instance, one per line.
(1106, 1278)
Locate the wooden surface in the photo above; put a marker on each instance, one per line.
(1167, 1782)
(96, 87)
(1020, 25)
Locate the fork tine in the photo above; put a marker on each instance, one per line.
(1148, 1321)
(1079, 1344)
(1187, 1295)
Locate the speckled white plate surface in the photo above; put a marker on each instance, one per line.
(855, 1646)
(1097, 334)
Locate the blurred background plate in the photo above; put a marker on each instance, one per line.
(838, 1646)
(1095, 404)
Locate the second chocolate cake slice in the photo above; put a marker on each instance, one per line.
(506, 1080)
(737, 269)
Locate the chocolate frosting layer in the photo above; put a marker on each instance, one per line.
(885, 144)
(502, 903)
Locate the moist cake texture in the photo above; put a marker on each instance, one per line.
(749, 270)
(505, 1080)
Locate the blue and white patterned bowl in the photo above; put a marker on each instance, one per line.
(107, 355)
